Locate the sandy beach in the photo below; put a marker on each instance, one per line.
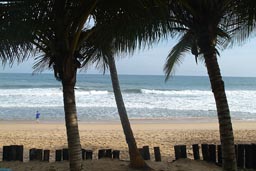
(98, 135)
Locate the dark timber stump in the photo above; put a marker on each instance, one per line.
(101, 153)
(146, 153)
(196, 151)
(212, 153)
(39, 154)
(205, 152)
(180, 151)
(108, 153)
(248, 156)
(88, 154)
(177, 152)
(58, 155)
(83, 154)
(254, 155)
(19, 152)
(6, 153)
(183, 149)
(35, 154)
(32, 154)
(240, 155)
(116, 154)
(157, 154)
(13, 153)
(46, 155)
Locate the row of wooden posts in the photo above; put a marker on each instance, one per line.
(246, 154)
(15, 153)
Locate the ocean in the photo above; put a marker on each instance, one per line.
(146, 97)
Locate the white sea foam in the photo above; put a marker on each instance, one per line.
(144, 96)
(239, 101)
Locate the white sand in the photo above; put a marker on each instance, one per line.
(95, 136)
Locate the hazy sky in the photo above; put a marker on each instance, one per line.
(236, 61)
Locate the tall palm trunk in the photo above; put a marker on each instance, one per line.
(225, 125)
(74, 146)
(136, 160)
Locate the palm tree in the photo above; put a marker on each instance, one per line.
(136, 160)
(119, 32)
(103, 55)
(61, 42)
(202, 27)
(56, 33)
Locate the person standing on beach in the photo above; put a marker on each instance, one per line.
(37, 116)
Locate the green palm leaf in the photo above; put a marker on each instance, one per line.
(177, 53)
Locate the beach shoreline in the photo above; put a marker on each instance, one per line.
(102, 135)
(110, 134)
(159, 120)
(193, 123)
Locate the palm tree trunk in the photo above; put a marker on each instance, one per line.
(136, 160)
(74, 146)
(225, 125)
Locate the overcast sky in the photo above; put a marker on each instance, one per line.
(236, 61)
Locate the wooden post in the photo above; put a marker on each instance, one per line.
(180, 151)
(236, 151)
(46, 155)
(108, 153)
(240, 155)
(183, 150)
(177, 152)
(88, 154)
(39, 154)
(254, 155)
(6, 152)
(157, 154)
(58, 155)
(116, 154)
(65, 155)
(19, 152)
(83, 154)
(195, 148)
(32, 154)
(248, 156)
(205, 152)
(219, 150)
(101, 153)
(12, 153)
(146, 153)
(212, 153)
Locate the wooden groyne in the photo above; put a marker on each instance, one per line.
(245, 154)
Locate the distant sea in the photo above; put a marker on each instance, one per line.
(146, 97)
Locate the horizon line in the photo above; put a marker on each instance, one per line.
(179, 75)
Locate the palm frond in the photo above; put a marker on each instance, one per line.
(14, 43)
(177, 53)
(223, 39)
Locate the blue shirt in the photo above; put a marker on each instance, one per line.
(37, 115)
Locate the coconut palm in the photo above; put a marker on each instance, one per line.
(58, 25)
(60, 43)
(110, 37)
(104, 57)
(202, 26)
